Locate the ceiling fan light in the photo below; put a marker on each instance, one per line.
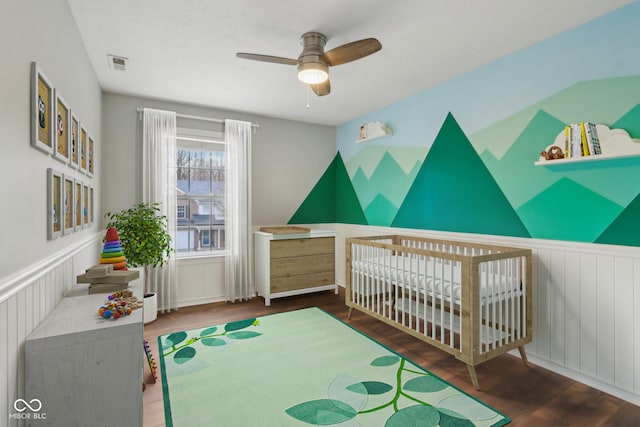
(313, 73)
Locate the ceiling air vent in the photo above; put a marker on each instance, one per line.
(117, 62)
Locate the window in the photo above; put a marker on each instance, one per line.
(200, 198)
(181, 211)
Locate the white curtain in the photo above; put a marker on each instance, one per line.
(238, 269)
(159, 185)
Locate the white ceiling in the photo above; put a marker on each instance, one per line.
(184, 50)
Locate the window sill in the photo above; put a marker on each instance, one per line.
(196, 257)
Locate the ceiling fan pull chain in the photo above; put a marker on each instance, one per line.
(308, 92)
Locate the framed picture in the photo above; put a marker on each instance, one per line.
(91, 205)
(67, 203)
(90, 159)
(85, 205)
(62, 114)
(77, 200)
(74, 143)
(82, 156)
(54, 203)
(42, 106)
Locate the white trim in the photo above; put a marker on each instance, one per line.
(140, 111)
(14, 283)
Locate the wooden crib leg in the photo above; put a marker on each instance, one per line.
(474, 377)
(523, 356)
(349, 314)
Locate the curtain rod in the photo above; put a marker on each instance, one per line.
(140, 110)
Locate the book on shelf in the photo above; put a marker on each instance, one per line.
(576, 140)
(593, 141)
(581, 140)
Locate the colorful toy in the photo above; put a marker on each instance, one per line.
(112, 251)
(119, 304)
(152, 363)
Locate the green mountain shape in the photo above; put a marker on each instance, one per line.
(521, 180)
(390, 180)
(630, 122)
(331, 200)
(454, 191)
(361, 186)
(368, 158)
(518, 177)
(414, 170)
(625, 229)
(380, 211)
(568, 211)
(599, 101)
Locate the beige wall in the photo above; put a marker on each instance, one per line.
(44, 32)
(288, 159)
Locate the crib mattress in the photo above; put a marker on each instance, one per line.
(435, 277)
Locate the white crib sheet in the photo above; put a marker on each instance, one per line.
(443, 280)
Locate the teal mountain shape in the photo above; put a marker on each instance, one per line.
(625, 229)
(630, 122)
(568, 211)
(599, 101)
(387, 180)
(515, 172)
(331, 200)
(380, 211)
(454, 191)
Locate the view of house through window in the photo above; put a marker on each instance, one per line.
(200, 201)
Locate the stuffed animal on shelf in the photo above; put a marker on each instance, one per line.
(554, 152)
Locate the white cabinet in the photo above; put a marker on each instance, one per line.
(86, 370)
(292, 264)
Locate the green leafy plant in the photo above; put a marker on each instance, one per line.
(143, 236)
(184, 351)
(334, 411)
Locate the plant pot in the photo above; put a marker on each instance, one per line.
(150, 307)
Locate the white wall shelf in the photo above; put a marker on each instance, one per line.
(373, 130)
(615, 143)
(596, 158)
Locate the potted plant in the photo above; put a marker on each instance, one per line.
(145, 243)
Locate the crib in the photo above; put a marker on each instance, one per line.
(470, 300)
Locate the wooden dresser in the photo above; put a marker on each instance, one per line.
(294, 263)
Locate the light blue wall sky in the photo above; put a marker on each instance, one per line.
(510, 84)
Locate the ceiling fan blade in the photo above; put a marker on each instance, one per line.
(352, 51)
(322, 89)
(267, 58)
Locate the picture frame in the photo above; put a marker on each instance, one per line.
(62, 114)
(68, 183)
(77, 201)
(82, 155)
(85, 205)
(54, 204)
(74, 144)
(91, 212)
(90, 155)
(42, 108)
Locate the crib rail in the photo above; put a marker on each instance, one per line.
(471, 300)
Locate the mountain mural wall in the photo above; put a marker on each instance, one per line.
(453, 188)
(462, 154)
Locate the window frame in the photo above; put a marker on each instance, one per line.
(190, 138)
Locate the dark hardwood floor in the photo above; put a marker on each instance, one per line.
(530, 396)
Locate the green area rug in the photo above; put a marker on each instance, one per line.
(299, 368)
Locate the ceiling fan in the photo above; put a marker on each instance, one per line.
(313, 63)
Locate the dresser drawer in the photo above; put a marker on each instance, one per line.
(303, 281)
(300, 247)
(302, 265)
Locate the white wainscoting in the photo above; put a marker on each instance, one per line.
(200, 280)
(26, 298)
(586, 306)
